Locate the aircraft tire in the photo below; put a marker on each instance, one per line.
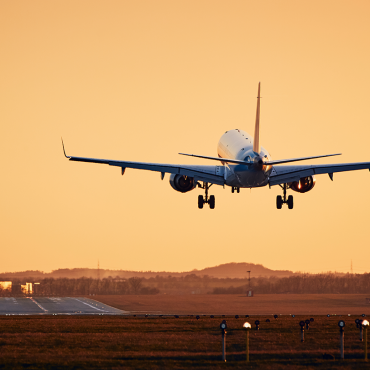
(279, 202)
(290, 202)
(212, 202)
(200, 201)
(232, 189)
(238, 190)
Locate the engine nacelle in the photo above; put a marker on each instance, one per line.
(304, 184)
(182, 183)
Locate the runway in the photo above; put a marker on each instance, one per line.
(55, 306)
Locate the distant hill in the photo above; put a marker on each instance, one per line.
(239, 270)
(227, 270)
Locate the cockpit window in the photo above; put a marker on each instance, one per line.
(247, 158)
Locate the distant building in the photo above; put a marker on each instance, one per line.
(6, 285)
(27, 288)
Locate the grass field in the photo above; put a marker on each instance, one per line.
(126, 342)
(228, 304)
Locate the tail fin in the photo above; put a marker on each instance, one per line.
(256, 141)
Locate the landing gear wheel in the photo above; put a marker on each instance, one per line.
(212, 202)
(200, 201)
(279, 202)
(238, 190)
(232, 189)
(290, 202)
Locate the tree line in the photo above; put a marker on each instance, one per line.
(329, 283)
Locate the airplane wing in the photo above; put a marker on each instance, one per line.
(211, 174)
(285, 174)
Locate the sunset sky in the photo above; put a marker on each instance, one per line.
(144, 80)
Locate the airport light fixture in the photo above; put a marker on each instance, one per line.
(307, 322)
(247, 327)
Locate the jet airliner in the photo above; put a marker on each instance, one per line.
(243, 165)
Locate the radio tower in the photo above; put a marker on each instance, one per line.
(98, 272)
(351, 268)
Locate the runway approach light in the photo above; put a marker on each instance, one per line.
(365, 323)
(247, 327)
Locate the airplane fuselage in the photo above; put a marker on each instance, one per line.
(238, 144)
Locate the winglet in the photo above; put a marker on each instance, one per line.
(64, 150)
(256, 141)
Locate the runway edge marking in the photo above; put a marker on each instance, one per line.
(38, 304)
(126, 312)
(96, 308)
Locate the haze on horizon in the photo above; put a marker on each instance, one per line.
(146, 80)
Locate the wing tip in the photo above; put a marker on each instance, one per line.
(64, 151)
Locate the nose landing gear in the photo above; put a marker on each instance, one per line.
(210, 200)
(233, 188)
(283, 200)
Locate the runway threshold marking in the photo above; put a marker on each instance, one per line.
(38, 304)
(96, 308)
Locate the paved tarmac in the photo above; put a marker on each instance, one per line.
(55, 306)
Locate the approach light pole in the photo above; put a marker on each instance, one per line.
(341, 325)
(223, 327)
(247, 327)
(365, 325)
(302, 324)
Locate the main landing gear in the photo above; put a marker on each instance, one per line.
(283, 200)
(210, 200)
(235, 188)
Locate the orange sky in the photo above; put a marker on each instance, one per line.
(144, 80)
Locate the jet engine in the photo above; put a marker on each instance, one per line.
(304, 184)
(182, 183)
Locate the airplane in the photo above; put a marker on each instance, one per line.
(243, 165)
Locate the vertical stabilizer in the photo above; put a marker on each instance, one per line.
(256, 141)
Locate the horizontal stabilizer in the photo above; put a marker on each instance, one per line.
(269, 163)
(300, 159)
(236, 161)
